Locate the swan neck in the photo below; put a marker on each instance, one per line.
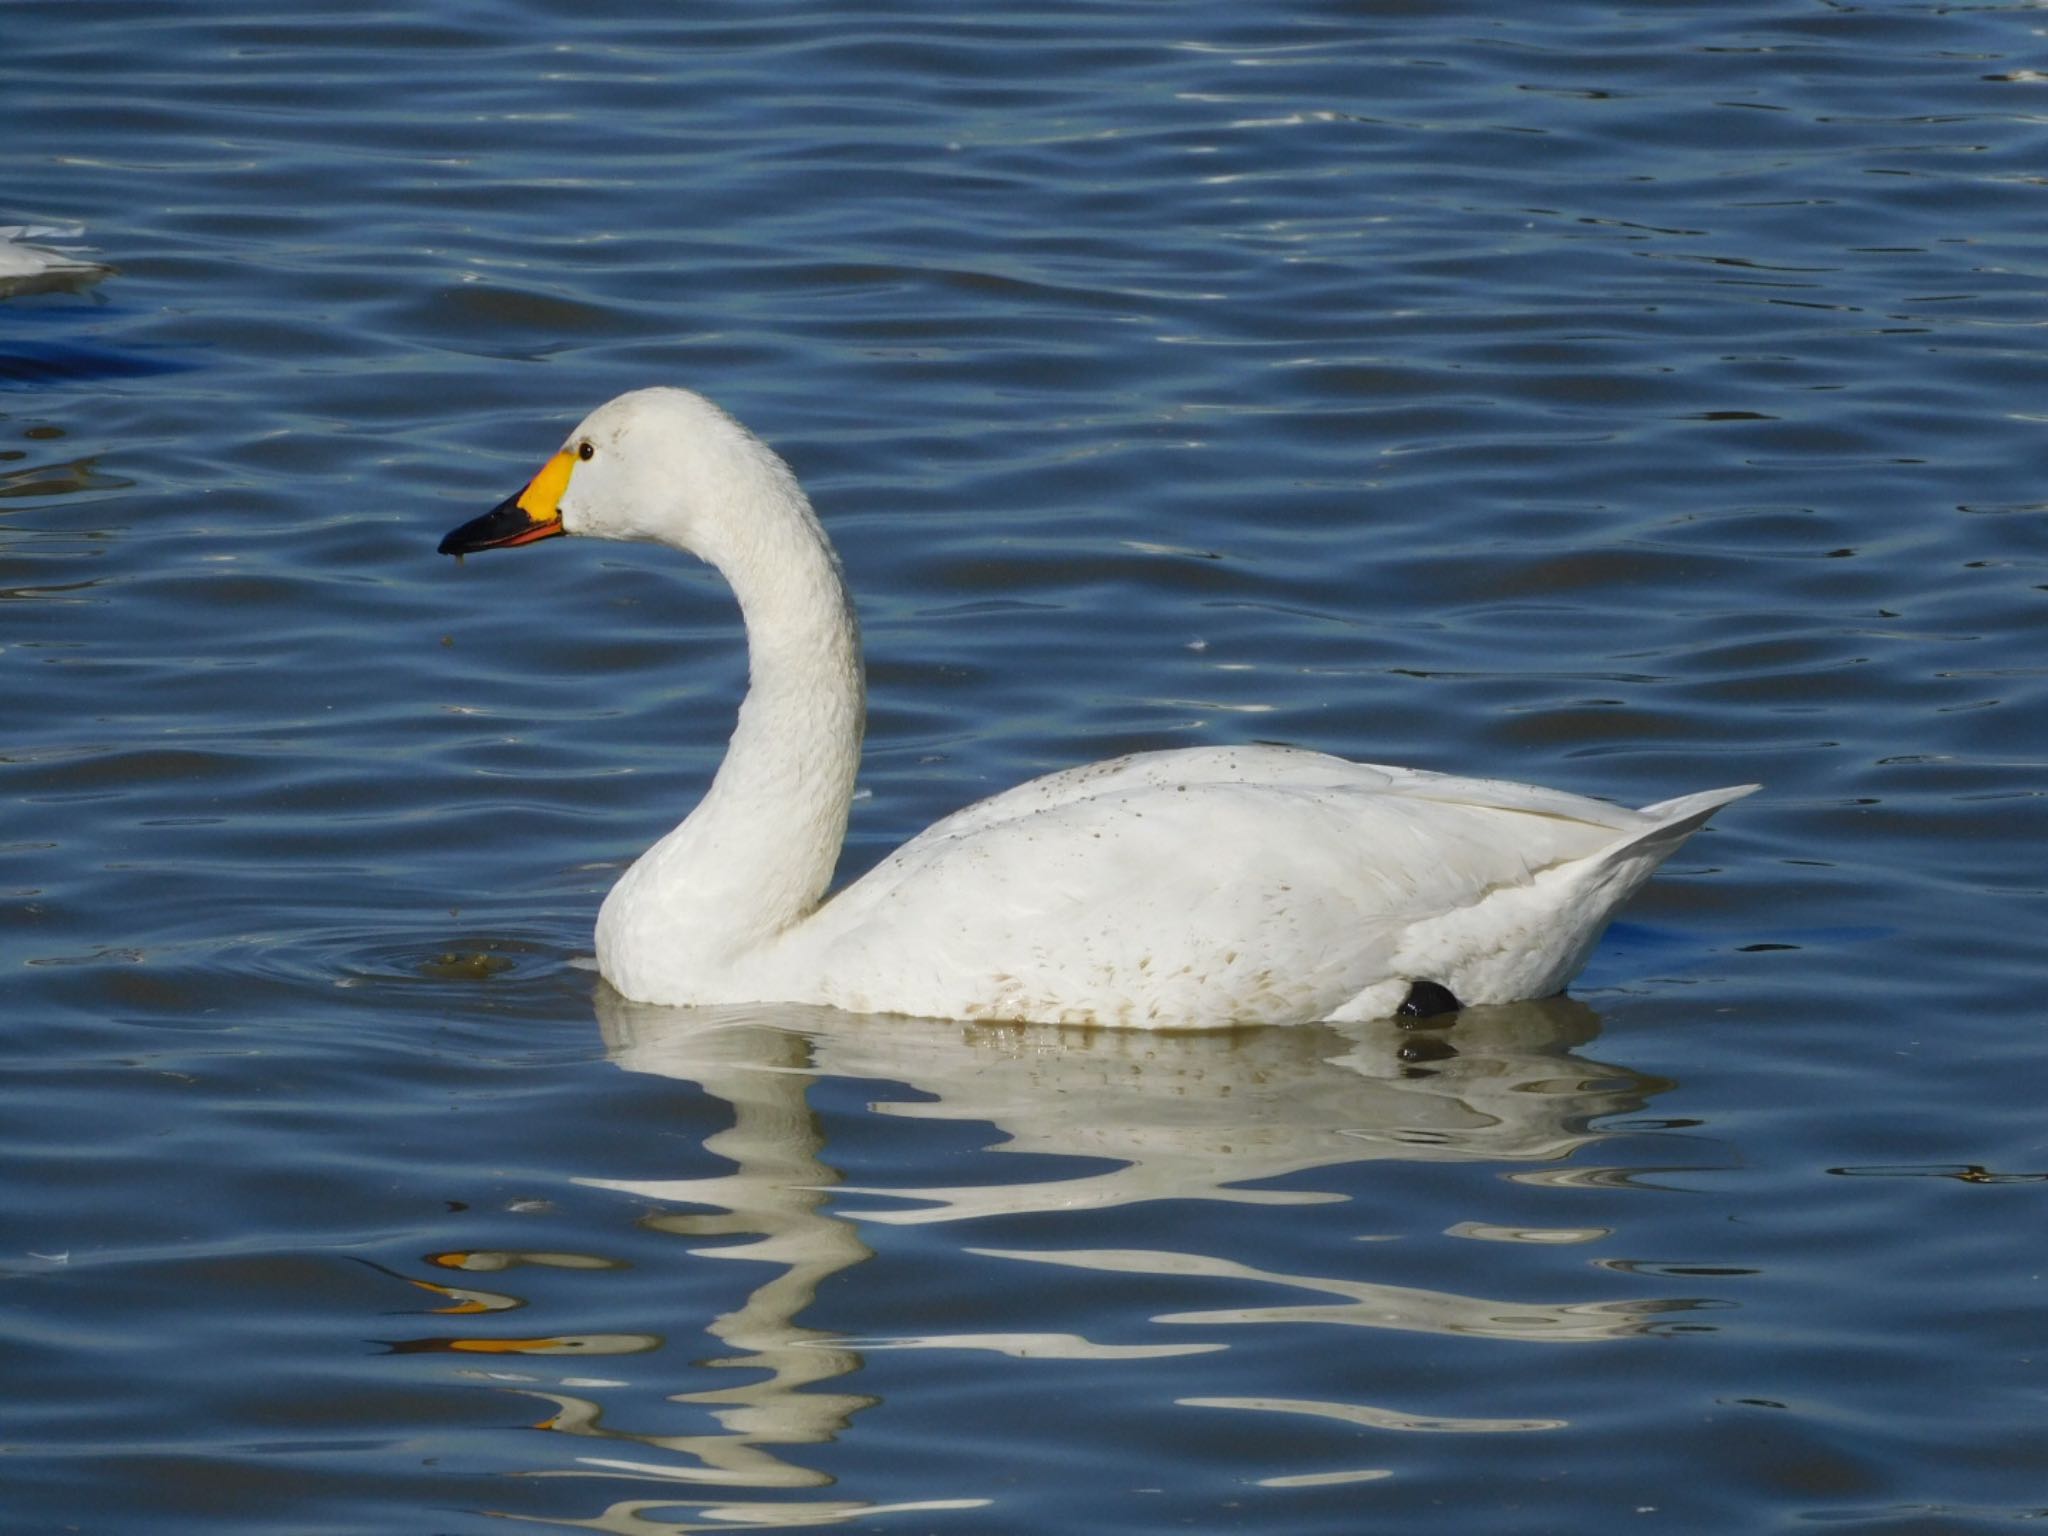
(758, 853)
(797, 742)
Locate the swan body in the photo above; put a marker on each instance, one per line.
(1191, 888)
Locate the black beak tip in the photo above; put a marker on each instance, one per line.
(504, 524)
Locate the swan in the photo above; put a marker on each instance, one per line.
(1200, 887)
(27, 267)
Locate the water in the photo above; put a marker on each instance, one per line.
(1633, 398)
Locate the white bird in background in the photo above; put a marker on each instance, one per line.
(27, 267)
(1193, 888)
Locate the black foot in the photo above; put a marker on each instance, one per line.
(1421, 1048)
(1427, 1000)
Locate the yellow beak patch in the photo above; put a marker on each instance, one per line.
(542, 498)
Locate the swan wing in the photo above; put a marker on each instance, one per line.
(1203, 887)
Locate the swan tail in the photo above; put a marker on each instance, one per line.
(1530, 939)
(1602, 883)
(1627, 862)
(1693, 810)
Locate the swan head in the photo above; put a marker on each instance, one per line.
(657, 464)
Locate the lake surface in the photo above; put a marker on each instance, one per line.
(1634, 398)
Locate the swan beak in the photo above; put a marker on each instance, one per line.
(535, 513)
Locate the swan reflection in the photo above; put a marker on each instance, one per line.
(776, 1194)
(1225, 1117)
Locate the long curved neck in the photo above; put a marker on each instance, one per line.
(759, 850)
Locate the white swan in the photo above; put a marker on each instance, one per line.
(1201, 887)
(33, 268)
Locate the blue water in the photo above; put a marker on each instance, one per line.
(1630, 397)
